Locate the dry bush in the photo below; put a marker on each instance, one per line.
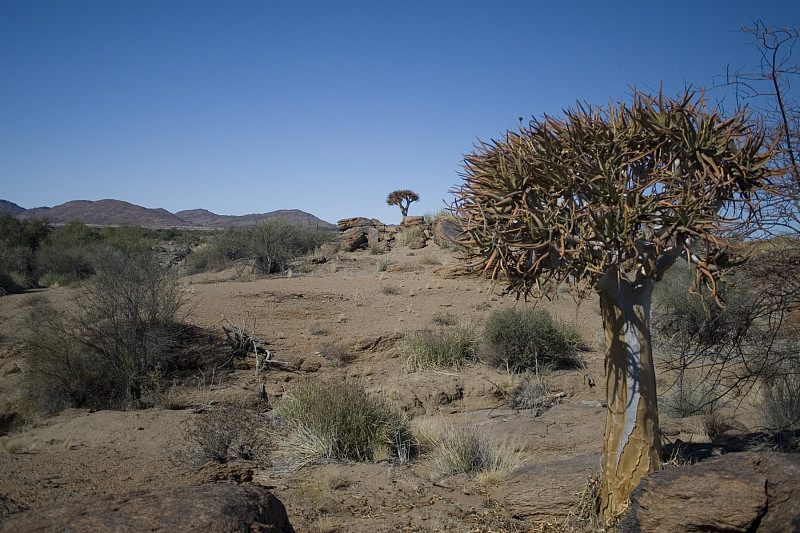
(780, 402)
(335, 353)
(402, 238)
(390, 290)
(377, 249)
(340, 421)
(426, 350)
(228, 433)
(445, 318)
(715, 426)
(532, 393)
(466, 450)
(690, 397)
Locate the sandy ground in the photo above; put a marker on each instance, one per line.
(362, 303)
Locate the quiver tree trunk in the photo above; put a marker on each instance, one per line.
(632, 446)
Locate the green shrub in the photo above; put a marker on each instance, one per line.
(340, 421)
(8, 283)
(525, 339)
(66, 256)
(270, 247)
(64, 371)
(106, 354)
(693, 317)
(19, 240)
(426, 350)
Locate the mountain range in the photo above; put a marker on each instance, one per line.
(115, 212)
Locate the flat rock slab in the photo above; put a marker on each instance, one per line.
(738, 492)
(213, 508)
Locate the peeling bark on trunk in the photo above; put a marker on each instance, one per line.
(632, 446)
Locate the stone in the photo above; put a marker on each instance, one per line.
(737, 492)
(10, 421)
(352, 239)
(373, 236)
(329, 249)
(445, 230)
(413, 221)
(417, 243)
(213, 508)
(354, 222)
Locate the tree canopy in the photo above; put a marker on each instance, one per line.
(403, 199)
(618, 188)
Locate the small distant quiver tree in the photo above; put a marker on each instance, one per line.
(403, 199)
(607, 199)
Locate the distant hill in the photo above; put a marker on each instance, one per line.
(203, 217)
(115, 212)
(10, 207)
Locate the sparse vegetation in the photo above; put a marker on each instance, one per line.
(105, 355)
(228, 433)
(525, 339)
(445, 318)
(689, 398)
(269, 247)
(682, 316)
(390, 290)
(780, 402)
(532, 393)
(407, 235)
(451, 348)
(466, 450)
(341, 421)
(335, 353)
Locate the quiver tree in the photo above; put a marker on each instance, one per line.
(403, 199)
(607, 199)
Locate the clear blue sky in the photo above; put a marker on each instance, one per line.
(251, 106)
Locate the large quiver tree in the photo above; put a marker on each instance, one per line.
(607, 199)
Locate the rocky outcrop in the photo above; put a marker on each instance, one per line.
(738, 492)
(213, 508)
(361, 232)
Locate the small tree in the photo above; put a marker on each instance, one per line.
(768, 90)
(403, 199)
(607, 199)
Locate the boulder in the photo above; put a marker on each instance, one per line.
(329, 249)
(10, 421)
(417, 242)
(413, 221)
(214, 508)
(354, 222)
(352, 239)
(373, 236)
(752, 491)
(445, 229)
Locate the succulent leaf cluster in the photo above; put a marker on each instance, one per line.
(625, 189)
